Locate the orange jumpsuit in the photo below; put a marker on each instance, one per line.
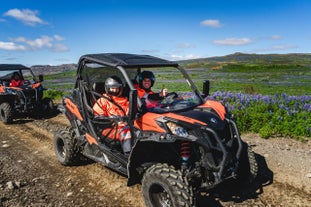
(142, 93)
(151, 98)
(16, 83)
(104, 107)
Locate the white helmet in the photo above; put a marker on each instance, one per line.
(113, 82)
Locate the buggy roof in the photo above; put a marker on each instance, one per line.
(13, 67)
(128, 60)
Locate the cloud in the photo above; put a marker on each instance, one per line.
(27, 16)
(211, 23)
(44, 42)
(276, 48)
(233, 41)
(284, 47)
(264, 38)
(59, 48)
(276, 37)
(2, 20)
(58, 38)
(11, 46)
(175, 57)
(150, 51)
(185, 45)
(12, 59)
(38, 43)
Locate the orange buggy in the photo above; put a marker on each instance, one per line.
(24, 99)
(182, 145)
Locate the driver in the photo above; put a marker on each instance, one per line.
(16, 80)
(145, 82)
(113, 104)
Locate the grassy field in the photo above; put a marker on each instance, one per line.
(269, 99)
(246, 78)
(256, 79)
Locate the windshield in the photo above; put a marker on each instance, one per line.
(174, 101)
(7, 74)
(180, 94)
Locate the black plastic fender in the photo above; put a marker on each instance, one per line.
(6, 97)
(147, 151)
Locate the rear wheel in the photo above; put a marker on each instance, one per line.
(6, 113)
(164, 186)
(48, 106)
(248, 165)
(65, 147)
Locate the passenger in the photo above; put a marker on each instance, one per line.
(145, 82)
(113, 104)
(16, 80)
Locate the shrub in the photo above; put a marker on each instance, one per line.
(278, 115)
(53, 94)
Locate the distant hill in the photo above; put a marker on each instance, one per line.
(294, 58)
(48, 69)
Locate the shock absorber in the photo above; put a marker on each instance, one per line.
(185, 153)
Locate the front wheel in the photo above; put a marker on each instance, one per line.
(6, 113)
(65, 147)
(164, 186)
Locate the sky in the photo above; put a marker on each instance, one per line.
(55, 32)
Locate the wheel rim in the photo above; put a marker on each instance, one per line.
(160, 196)
(61, 148)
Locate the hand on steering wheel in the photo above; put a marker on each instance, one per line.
(173, 94)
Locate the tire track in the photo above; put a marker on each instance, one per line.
(27, 157)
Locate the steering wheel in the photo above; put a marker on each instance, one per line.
(26, 82)
(166, 101)
(173, 94)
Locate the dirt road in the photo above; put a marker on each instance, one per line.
(30, 174)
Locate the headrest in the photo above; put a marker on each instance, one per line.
(99, 87)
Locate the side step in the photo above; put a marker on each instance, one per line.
(94, 153)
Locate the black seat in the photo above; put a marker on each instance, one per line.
(99, 87)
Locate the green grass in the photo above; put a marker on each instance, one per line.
(71, 74)
(263, 79)
(62, 82)
(292, 79)
(53, 94)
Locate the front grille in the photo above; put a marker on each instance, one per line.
(221, 148)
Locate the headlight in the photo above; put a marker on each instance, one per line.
(10, 91)
(177, 130)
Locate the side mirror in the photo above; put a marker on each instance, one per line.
(133, 104)
(40, 77)
(206, 87)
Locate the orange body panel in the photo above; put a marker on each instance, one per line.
(184, 118)
(15, 88)
(73, 108)
(90, 139)
(36, 85)
(148, 121)
(217, 106)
